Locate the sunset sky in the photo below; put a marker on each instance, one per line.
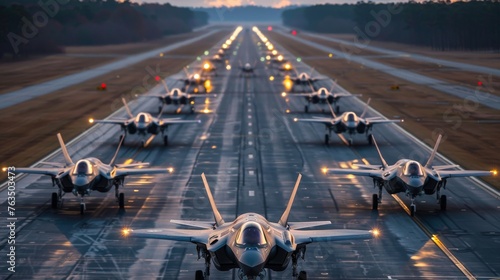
(232, 3)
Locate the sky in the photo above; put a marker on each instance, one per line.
(232, 3)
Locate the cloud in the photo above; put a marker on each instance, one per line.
(220, 3)
(282, 3)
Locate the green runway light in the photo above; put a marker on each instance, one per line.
(206, 52)
(299, 59)
(262, 59)
(198, 58)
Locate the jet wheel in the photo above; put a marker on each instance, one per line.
(302, 275)
(120, 139)
(442, 202)
(199, 275)
(413, 209)
(143, 143)
(165, 140)
(337, 109)
(159, 109)
(82, 208)
(370, 139)
(327, 139)
(55, 200)
(375, 202)
(121, 200)
(306, 109)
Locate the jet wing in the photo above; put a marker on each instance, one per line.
(197, 224)
(301, 225)
(377, 120)
(44, 171)
(118, 172)
(186, 235)
(324, 235)
(369, 166)
(299, 94)
(326, 121)
(116, 121)
(360, 172)
(343, 94)
(165, 122)
(463, 173)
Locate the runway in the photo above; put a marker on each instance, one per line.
(251, 152)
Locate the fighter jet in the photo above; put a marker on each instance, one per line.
(195, 79)
(217, 59)
(87, 175)
(410, 177)
(247, 68)
(348, 122)
(144, 124)
(250, 243)
(304, 78)
(321, 96)
(176, 97)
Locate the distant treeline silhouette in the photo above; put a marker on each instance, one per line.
(473, 25)
(43, 26)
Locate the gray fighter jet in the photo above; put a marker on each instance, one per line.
(87, 175)
(250, 243)
(176, 97)
(304, 78)
(247, 68)
(144, 124)
(410, 177)
(321, 96)
(348, 122)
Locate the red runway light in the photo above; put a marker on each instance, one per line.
(269, 28)
(103, 86)
(479, 83)
(157, 78)
(294, 32)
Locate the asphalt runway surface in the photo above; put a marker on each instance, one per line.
(251, 152)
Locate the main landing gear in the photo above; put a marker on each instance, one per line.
(441, 198)
(299, 253)
(120, 197)
(377, 199)
(203, 253)
(56, 200)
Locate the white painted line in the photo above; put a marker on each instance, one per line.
(249, 124)
(249, 110)
(251, 193)
(249, 133)
(251, 172)
(250, 156)
(250, 143)
(249, 116)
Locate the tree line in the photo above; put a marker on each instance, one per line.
(44, 26)
(473, 25)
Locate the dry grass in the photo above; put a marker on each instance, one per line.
(472, 143)
(484, 58)
(463, 78)
(19, 74)
(28, 130)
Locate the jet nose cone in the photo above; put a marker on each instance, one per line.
(141, 125)
(252, 261)
(80, 181)
(415, 184)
